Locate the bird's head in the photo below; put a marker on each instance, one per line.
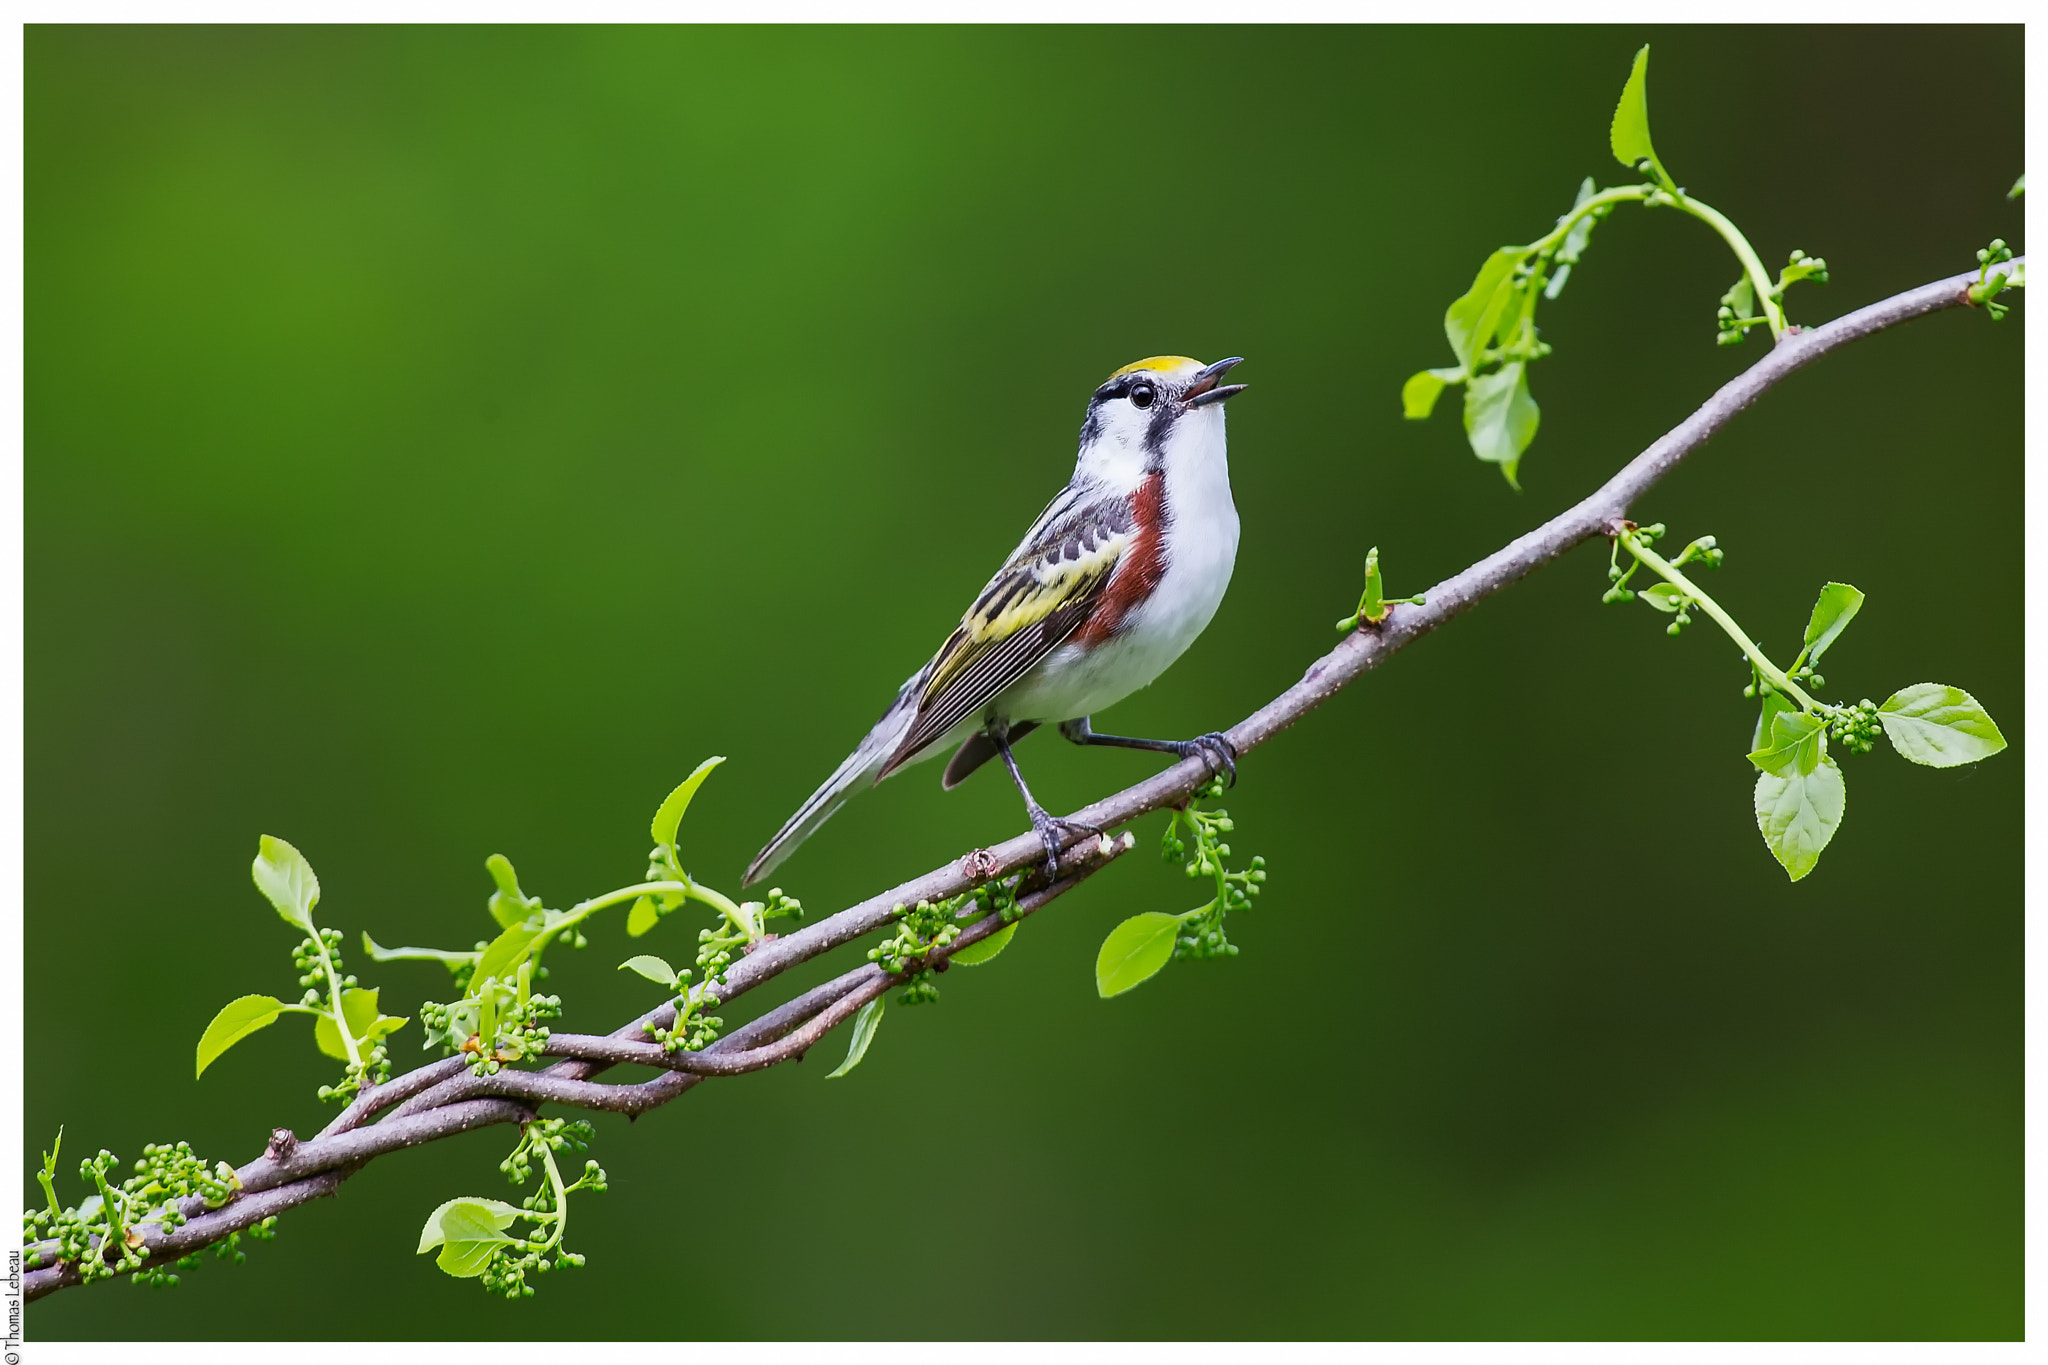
(1143, 409)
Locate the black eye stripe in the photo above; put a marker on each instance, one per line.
(1127, 386)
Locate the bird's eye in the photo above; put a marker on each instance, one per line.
(1142, 395)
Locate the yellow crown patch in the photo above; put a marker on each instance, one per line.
(1165, 364)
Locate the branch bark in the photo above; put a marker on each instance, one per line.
(442, 1099)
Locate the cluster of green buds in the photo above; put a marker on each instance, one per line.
(506, 1271)
(1799, 266)
(504, 1021)
(118, 1217)
(714, 951)
(546, 1135)
(1618, 589)
(1665, 597)
(102, 1220)
(924, 928)
(779, 906)
(1194, 838)
(1856, 728)
(314, 956)
(307, 957)
(229, 1248)
(170, 1171)
(1985, 291)
(1738, 313)
(998, 898)
(736, 928)
(1803, 673)
(693, 1030)
(1760, 686)
(375, 1069)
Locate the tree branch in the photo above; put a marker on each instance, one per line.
(442, 1099)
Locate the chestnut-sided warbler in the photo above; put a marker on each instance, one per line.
(1110, 585)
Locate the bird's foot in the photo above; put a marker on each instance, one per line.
(1054, 833)
(1216, 752)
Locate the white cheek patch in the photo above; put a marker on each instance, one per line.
(1115, 460)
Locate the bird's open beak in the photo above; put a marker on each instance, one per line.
(1204, 390)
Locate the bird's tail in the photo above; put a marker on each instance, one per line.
(859, 770)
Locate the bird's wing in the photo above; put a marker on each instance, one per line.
(1042, 596)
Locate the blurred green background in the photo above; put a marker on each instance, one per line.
(440, 440)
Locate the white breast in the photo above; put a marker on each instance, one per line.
(1201, 552)
(1201, 546)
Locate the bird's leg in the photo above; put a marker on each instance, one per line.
(1216, 750)
(1049, 827)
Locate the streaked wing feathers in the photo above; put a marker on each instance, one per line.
(1042, 596)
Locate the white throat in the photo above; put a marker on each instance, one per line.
(1192, 454)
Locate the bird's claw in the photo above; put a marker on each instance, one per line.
(1051, 830)
(1218, 754)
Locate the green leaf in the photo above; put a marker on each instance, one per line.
(447, 958)
(508, 904)
(502, 872)
(468, 1258)
(1807, 269)
(1835, 608)
(642, 917)
(1629, 134)
(237, 1020)
(1798, 743)
(1135, 951)
(1501, 417)
(365, 1024)
(1741, 298)
(864, 1025)
(467, 1230)
(502, 957)
(286, 879)
(1663, 596)
(671, 813)
(1424, 387)
(651, 967)
(1514, 302)
(1799, 813)
(986, 950)
(1774, 705)
(1471, 319)
(1939, 726)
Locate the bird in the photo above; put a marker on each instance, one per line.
(1112, 583)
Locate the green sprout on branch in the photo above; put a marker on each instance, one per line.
(1492, 326)
(1800, 794)
(1992, 281)
(1373, 606)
